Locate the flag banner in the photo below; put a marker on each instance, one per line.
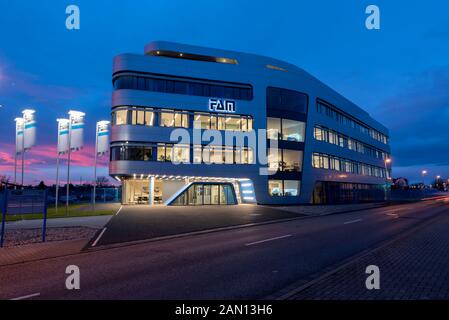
(19, 135)
(103, 137)
(29, 119)
(77, 131)
(63, 135)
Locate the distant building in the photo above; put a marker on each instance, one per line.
(400, 183)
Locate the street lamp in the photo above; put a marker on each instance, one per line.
(386, 161)
(423, 173)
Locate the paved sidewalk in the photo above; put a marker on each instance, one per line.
(38, 251)
(96, 222)
(413, 267)
(319, 210)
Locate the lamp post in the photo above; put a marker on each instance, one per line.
(423, 173)
(386, 162)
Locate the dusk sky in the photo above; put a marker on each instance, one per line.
(399, 74)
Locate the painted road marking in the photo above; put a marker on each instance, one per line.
(353, 221)
(101, 234)
(121, 207)
(392, 215)
(27, 296)
(266, 240)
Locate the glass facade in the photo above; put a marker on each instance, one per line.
(333, 112)
(329, 162)
(327, 192)
(207, 194)
(203, 88)
(171, 118)
(287, 100)
(211, 121)
(222, 155)
(333, 137)
(180, 118)
(285, 129)
(284, 188)
(285, 160)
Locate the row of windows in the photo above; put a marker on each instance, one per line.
(174, 118)
(325, 161)
(187, 87)
(285, 160)
(176, 153)
(285, 129)
(284, 188)
(333, 113)
(288, 100)
(327, 135)
(212, 121)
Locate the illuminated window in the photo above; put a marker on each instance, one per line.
(273, 128)
(181, 154)
(149, 118)
(275, 188)
(201, 121)
(284, 188)
(293, 130)
(121, 117)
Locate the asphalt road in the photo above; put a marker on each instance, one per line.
(135, 223)
(249, 263)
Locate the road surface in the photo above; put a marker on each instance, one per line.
(249, 263)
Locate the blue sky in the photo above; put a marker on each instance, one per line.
(399, 74)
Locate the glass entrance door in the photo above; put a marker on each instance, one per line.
(206, 194)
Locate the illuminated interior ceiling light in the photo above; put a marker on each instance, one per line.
(247, 191)
(248, 198)
(246, 184)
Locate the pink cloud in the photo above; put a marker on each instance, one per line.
(42, 159)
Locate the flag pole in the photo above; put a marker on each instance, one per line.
(23, 153)
(57, 179)
(15, 168)
(95, 166)
(68, 167)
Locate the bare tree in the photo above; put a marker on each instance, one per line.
(4, 179)
(102, 181)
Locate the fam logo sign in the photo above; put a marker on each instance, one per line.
(222, 105)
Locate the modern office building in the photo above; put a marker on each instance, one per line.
(329, 150)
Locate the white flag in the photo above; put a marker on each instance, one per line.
(102, 137)
(19, 135)
(29, 120)
(63, 135)
(77, 130)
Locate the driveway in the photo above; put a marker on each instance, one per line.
(143, 222)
